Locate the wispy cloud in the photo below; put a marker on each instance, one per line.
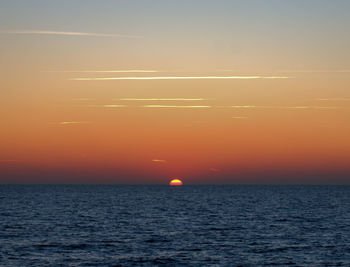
(334, 99)
(315, 107)
(162, 99)
(114, 106)
(181, 78)
(173, 106)
(245, 106)
(287, 107)
(239, 117)
(74, 122)
(159, 160)
(117, 106)
(100, 106)
(316, 71)
(103, 71)
(43, 32)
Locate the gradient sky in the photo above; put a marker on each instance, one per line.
(212, 92)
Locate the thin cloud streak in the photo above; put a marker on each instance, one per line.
(162, 99)
(159, 160)
(313, 107)
(114, 106)
(100, 106)
(333, 99)
(315, 71)
(174, 106)
(316, 107)
(103, 71)
(287, 107)
(40, 32)
(182, 78)
(74, 122)
(246, 106)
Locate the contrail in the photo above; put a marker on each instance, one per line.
(239, 117)
(288, 107)
(38, 32)
(173, 106)
(316, 71)
(162, 99)
(114, 106)
(159, 160)
(103, 71)
(182, 78)
(74, 122)
(333, 99)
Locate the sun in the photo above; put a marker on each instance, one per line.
(176, 182)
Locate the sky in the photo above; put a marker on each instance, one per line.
(142, 92)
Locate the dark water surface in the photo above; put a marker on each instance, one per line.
(83, 225)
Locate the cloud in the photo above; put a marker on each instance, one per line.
(114, 106)
(74, 122)
(181, 78)
(239, 117)
(334, 99)
(286, 107)
(41, 32)
(104, 71)
(246, 106)
(159, 160)
(173, 106)
(100, 106)
(314, 107)
(315, 71)
(162, 99)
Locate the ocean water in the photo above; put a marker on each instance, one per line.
(110, 225)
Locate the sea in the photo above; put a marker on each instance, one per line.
(190, 225)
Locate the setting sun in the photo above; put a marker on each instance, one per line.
(175, 182)
(105, 106)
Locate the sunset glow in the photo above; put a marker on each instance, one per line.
(129, 92)
(174, 132)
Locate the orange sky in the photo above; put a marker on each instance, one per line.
(128, 104)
